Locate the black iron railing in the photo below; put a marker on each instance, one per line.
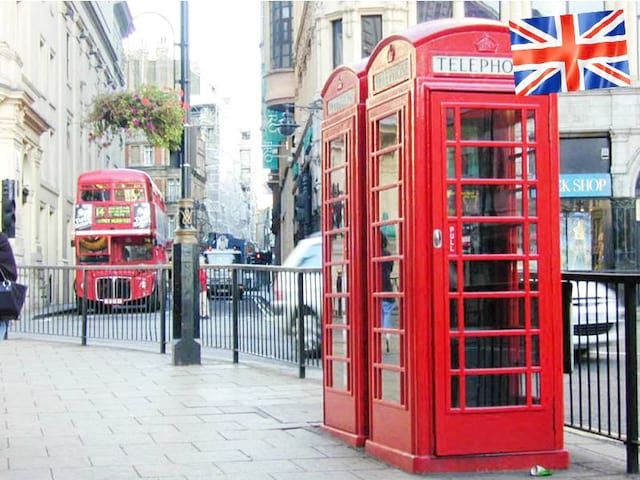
(601, 356)
(250, 318)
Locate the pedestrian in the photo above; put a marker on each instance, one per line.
(388, 304)
(9, 271)
(204, 300)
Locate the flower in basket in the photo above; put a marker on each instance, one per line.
(158, 113)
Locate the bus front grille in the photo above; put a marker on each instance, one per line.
(115, 287)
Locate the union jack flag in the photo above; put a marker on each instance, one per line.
(571, 52)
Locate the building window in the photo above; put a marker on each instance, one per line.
(173, 190)
(68, 132)
(136, 80)
(281, 43)
(133, 157)
(52, 70)
(433, 10)
(336, 34)
(65, 238)
(548, 8)
(42, 62)
(68, 57)
(147, 156)
(371, 33)
(482, 10)
(583, 6)
(585, 155)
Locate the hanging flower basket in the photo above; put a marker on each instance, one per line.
(158, 113)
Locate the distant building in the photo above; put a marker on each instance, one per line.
(228, 195)
(206, 116)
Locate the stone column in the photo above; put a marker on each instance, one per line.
(625, 240)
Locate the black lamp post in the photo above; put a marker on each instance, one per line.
(186, 311)
(185, 85)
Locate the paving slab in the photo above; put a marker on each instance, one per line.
(72, 412)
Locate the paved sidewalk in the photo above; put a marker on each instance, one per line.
(72, 412)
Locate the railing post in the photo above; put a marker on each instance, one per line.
(84, 309)
(160, 275)
(567, 327)
(234, 313)
(631, 368)
(301, 351)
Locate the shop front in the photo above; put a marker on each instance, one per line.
(586, 232)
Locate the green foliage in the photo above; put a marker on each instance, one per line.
(158, 113)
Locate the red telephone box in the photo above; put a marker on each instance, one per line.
(344, 242)
(463, 262)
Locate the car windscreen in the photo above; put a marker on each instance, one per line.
(312, 257)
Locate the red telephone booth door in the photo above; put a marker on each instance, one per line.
(344, 356)
(495, 324)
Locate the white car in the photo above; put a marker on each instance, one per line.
(285, 303)
(219, 280)
(597, 315)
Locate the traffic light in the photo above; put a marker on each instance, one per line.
(9, 207)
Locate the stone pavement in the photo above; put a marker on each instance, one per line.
(98, 412)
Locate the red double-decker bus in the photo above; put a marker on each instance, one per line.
(120, 220)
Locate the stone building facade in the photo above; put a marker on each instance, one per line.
(55, 57)
(599, 134)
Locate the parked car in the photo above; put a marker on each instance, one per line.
(306, 254)
(220, 280)
(597, 315)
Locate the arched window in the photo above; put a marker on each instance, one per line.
(434, 10)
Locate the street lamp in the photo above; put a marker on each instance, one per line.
(287, 125)
(186, 350)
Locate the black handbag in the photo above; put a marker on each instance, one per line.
(12, 296)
